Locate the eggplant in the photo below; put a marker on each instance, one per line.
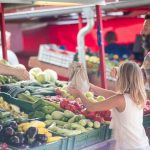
(1, 127)
(2, 137)
(14, 140)
(41, 138)
(21, 136)
(31, 134)
(14, 125)
(9, 131)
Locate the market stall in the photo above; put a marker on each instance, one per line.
(34, 115)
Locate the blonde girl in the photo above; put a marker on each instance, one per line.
(127, 107)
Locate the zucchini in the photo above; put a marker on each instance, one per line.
(4, 114)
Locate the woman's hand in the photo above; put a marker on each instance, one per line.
(22, 74)
(74, 92)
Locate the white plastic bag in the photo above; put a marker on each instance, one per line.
(78, 77)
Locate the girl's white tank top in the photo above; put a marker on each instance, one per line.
(128, 130)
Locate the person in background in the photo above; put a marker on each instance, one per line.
(146, 45)
(12, 58)
(127, 107)
(112, 48)
(146, 34)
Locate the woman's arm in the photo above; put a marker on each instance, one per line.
(20, 73)
(100, 91)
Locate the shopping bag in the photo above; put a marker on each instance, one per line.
(78, 77)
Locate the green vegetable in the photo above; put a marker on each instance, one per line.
(67, 126)
(83, 122)
(37, 114)
(90, 124)
(48, 117)
(64, 132)
(78, 127)
(57, 122)
(81, 116)
(73, 119)
(89, 129)
(4, 114)
(68, 114)
(48, 109)
(57, 115)
(27, 98)
(65, 119)
(97, 124)
(48, 122)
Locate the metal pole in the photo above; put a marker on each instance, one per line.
(101, 46)
(80, 21)
(3, 29)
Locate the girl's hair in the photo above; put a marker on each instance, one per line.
(130, 80)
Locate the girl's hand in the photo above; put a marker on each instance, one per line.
(92, 87)
(74, 92)
(58, 91)
(114, 72)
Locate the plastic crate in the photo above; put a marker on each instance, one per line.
(26, 106)
(102, 132)
(108, 132)
(106, 145)
(54, 55)
(81, 141)
(93, 137)
(146, 120)
(51, 146)
(77, 142)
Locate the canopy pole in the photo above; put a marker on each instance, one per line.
(101, 46)
(3, 29)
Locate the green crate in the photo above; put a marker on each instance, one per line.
(102, 132)
(51, 146)
(64, 144)
(146, 120)
(83, 140)
(80, 141)
(24, 105)
(77, 142)
(108, 133)
(93, 137)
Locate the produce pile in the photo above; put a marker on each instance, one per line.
(32, 113)
(9, 112)
(66, 102)
(68, 124)
(45, 76)
(26, 135)
(93, 61)
(7, 79)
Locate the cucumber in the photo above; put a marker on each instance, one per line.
(4, 114)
